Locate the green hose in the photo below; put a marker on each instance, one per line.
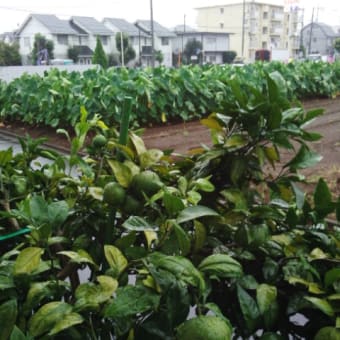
(15, 234)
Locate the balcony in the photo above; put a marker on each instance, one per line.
(276, 16)
(276, 31)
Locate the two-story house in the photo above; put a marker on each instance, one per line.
(214, 44)
(163, 38)
(139, 40)
(93, 29)
(318, 37)
(59, 31)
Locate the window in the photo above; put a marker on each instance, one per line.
(264, 44)
(221, 10)
(165, 41)
(265, 15)
(221, 25)
(27, 42)
(62, 39)
(315, 40)
(211, 40)
(264, 30)
(212, 58)
(103, 39)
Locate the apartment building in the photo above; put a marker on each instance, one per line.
(253, 25)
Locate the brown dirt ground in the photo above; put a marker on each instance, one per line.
(183, 137)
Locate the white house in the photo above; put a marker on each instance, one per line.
(93, 29)
(214, 44)
(163, 38)
(139, 40)
(59, 31)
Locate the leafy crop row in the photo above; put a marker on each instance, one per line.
(226, 236)
(158, 94)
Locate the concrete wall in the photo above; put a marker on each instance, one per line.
(9, 73)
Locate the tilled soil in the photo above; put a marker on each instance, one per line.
(183, 137)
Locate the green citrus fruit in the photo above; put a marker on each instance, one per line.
(146, 182)
(131, 205)
(204, 328)
(114, 194)
(99, 141)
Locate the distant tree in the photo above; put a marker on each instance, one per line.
(193, 48)
(99, 56)
(73, 53)
(337, 45)
(41, 45)
(159, 56)
(9, 54)
(113, 59)
(228, 57)
(129, 52)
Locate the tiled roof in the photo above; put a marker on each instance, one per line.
(84, 51)
(159, 30)
(126, 27)
(54, 24)
(91, 25)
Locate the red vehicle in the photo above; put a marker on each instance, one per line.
(263, 55)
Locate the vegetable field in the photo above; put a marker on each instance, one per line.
(158, 95)
(124, 241)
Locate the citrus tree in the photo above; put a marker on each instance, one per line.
(126, 242)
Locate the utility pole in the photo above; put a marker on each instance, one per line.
(243, 25)
(311, 33)
(122, 47)
(152, 36)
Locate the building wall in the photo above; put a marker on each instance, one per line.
(263, 26)
(320, 42)
(213, 45)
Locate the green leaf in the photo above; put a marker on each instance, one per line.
(6, 156)
(47, 317)
(37, 292)
(192, 213)
(332, 276)
(323, 198)
(150, 157)
(81, 256)
(249, 308)
(96, 193)
(204, 184)
(200, 235)
(305, 158)
(137, 143)
(39, 210)
(265, 296)
(299, 196)
(321, 304)
(28, 260)
(172, 204)
(122, 172)
(181, 268)
(135, 223)
(57, 213)
(183, 238)
(221, 265)
(68, 321)
(115, 259)
(17, 334)
(132, 300)
(328, 333)
(236, 141)
(8, 316)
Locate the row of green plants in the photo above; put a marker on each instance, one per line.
(131, 243)
(159, 94)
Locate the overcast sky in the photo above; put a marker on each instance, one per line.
(169, 13)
